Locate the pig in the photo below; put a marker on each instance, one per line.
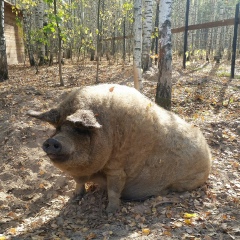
(113, 134)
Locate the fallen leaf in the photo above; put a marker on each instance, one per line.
(149, 105)
(224, 217)
(12, 231)
(41, 185)
(154, 210)
(146, 231)
(85, 229)
(111, 89)
(188, 221)
(41, 172)
(13, 215)
(168, 214)
(190, 215)
(167, 233)
(91, 236)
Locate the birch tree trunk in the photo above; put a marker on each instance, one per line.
(39, 11)
(154, 47)
(164, 85)
(99, 31)
(3, 54)
(147, 31)
(137, 49)
(59, 45)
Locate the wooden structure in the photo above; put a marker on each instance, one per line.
(13, 35)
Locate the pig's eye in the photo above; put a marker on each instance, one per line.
(58, 128)
(81, 130)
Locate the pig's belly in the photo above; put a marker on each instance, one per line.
(141, 192)
(145, 185)
(157, 180)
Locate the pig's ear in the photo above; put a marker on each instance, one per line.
(84, 118)
(52, 116)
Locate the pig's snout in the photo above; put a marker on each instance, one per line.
(52, 146)
(58, 150)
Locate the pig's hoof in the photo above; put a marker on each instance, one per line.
(77, 196)
(111, 209)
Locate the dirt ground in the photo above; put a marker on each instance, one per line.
(36, 198)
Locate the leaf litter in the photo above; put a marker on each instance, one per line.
(36, 198)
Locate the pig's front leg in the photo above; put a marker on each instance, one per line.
(115, 183)
(80, 187)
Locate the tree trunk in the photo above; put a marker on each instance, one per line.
(124, 39)
(147, 31)
(98, 40)
(113, 40)
(164, 85)
(92, 53)
(39, 11)
(218, 54)
(3, 54)
(137, 49)
(27, 37)
(155, 39)
(59, 45)
(185, 47)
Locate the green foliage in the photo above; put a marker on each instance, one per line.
(127, 6)
(49, 28)
(127, 10)
(17, 13)
(77, 21)
(155, 33)
(48, 1)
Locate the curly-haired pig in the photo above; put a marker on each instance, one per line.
(113, 133)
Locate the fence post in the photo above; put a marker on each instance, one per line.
(234, 45)
(186, 34)
(156, 38)
(124, 39)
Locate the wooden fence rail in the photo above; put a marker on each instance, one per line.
(222, 23)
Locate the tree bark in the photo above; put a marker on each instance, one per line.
(27, 37)
(39, 11)
(147, 31)
(98, 40)
(164, 85)
(59, 45)
(154, 47)
(3, 54)
(219, 46)
(137, 49)
(124, 39)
